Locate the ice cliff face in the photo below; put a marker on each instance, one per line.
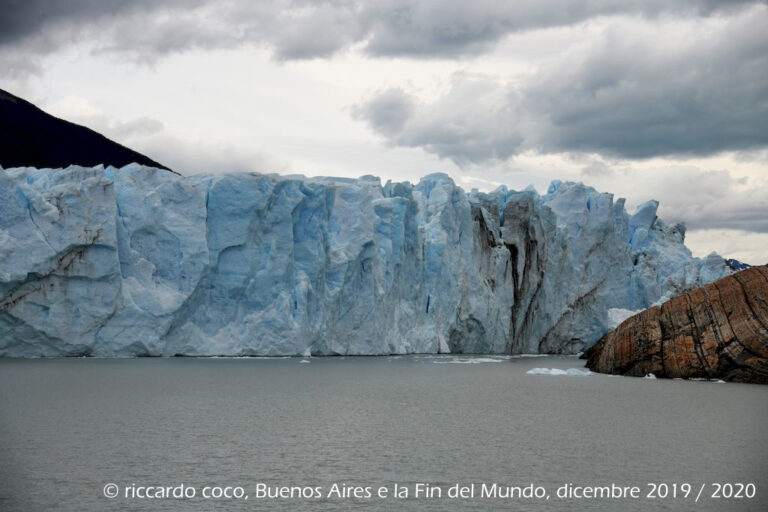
(138, 261)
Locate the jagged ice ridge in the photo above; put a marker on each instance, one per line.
(138, 261)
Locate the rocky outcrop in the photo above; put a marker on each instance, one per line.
(718, 331)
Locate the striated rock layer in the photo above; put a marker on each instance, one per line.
(137, 261)
(718, 331)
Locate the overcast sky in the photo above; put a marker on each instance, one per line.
(656, 99)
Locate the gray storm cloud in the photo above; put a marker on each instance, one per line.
(711, 199)
(625, 95)
(298, 29)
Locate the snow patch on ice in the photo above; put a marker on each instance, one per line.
(618, 315)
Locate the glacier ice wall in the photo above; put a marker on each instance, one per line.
(138, 261)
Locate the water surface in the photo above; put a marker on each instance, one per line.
(70, 426)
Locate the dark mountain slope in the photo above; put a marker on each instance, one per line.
(30, 137)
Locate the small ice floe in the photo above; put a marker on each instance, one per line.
(650, 376)
(570, 372)
(469, 360)
(304, 361)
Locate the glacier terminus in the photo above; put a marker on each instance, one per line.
(142, 262)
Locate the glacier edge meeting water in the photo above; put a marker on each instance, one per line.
(138, 261)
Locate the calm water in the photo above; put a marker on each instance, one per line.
(68, 427)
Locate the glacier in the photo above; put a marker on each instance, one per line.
(141, 262)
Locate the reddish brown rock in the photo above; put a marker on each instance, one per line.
(718, 331)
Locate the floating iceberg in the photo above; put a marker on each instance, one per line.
(469, 360)
(570, 372)
(139, 261)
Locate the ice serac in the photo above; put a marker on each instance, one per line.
(718, 331)
(137, 261)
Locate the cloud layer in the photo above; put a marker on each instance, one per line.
(703, 199)
(150, 136)
(663, 78)
(701, 91)
(298, 29)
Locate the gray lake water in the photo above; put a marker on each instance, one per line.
(69, 427)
